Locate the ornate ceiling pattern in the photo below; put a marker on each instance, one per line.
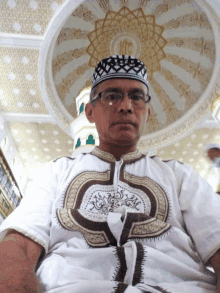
(20, 91)
(174, 38)
(40, 142)
(191, 149)
(128, 32)
(29, 17)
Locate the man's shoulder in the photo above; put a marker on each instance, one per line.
(63, 158)
(167, 161)
(69, 158)
(171, 166)
(173, 161)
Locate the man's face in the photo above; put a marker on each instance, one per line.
(213, 153)
(121, 124)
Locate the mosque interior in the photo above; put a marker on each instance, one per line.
(48, 51)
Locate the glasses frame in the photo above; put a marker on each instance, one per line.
(99, 96)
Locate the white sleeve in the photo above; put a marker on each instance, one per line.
(200, 206)
(32, 217)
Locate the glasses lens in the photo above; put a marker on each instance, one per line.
(111, 97)
(138, 100)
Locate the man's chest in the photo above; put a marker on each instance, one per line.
(88, 198)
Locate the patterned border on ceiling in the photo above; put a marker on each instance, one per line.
(159, 138)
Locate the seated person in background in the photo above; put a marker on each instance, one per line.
(114, 220)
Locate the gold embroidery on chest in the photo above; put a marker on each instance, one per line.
(93, 238)
(149, 228)
(72, 194)
(162, 205)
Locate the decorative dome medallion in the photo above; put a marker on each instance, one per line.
(128, 32)
(175, 39)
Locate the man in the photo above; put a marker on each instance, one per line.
(213, 152)
(213, 177)
(114, 220)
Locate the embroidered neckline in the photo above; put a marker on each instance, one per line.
(110, 158)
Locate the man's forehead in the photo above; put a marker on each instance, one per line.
(213, 149)
(122, 84)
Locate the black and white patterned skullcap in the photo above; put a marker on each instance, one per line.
(120, 66)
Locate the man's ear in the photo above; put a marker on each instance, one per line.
(89, 112)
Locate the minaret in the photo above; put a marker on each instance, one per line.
(83, 132)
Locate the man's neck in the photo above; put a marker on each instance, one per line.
(117, 152)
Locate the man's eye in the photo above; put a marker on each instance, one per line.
(113, 97)
(137, 97)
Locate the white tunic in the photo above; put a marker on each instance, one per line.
(135, 225)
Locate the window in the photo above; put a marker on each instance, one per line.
(10, 195)
(81, 109)
(90, 140)
(78, 143)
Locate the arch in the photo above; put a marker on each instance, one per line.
(81, 109)
(90, 140)
(78, 143)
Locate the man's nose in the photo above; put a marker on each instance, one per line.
(126, 104)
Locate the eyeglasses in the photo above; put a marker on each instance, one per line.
(138, 100)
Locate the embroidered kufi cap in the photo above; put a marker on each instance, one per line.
(120, 66)
(212, 146)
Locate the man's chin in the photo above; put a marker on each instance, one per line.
(125, 140)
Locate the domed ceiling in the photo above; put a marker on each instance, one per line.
(173, 38)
